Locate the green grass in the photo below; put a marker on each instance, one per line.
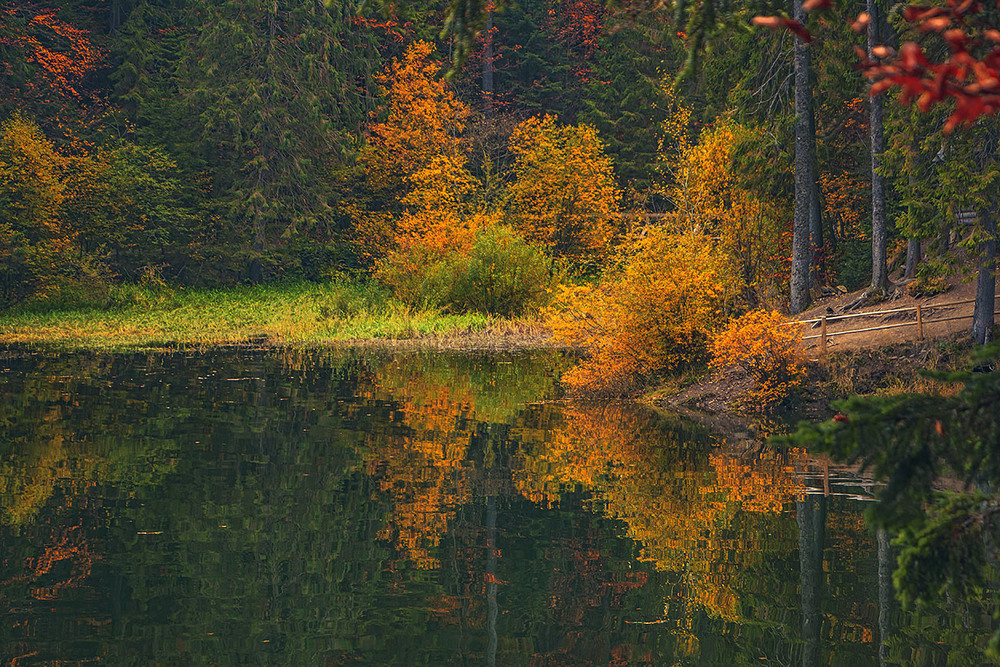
(299, 314)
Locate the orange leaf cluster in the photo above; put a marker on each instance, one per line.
(64, 54)
(564, 195)
(762, 345)
(656, 314)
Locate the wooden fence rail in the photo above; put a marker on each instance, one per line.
(919, 321)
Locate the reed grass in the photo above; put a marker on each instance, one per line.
(297, 314)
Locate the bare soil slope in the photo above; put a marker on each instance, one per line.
(933, 308)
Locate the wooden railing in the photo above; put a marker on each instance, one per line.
(919, 321)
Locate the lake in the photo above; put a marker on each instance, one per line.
(349, 508)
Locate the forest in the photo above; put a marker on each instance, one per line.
(641, 177)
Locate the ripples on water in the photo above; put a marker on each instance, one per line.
(329, 509)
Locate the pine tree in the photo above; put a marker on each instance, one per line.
(626, 103)
(272, 89)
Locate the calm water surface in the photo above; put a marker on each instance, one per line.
(339, 509)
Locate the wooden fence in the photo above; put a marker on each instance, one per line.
(922, 318)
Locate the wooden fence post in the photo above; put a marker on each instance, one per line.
(822, 336)
(920, 323)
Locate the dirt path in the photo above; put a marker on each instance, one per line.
(960, 291)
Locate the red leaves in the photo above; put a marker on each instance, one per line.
(63, 53)
(816, 5)
(782, 23)
(964, 75)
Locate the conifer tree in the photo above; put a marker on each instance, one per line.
(272, 90)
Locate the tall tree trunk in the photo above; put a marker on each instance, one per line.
(488, 62)
(913, 250)
(880, 271)
(986, 282)
(805, 179)
(913, 256)
(885, 595)
(492, 610)
(816, 241)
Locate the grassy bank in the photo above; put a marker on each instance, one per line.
(301, 314)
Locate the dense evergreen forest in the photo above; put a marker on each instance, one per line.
(212, 143)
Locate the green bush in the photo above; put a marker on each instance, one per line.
(502, 274)
(932, 278)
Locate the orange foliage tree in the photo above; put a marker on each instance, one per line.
(765, 347)
(415, 157)
(655, 313)
(416, 145)
(564, 194)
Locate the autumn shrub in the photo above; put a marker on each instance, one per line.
(502, 274)
(762, 345)
(707, 196)
(931, 279)
(654, 312)
(497, 273)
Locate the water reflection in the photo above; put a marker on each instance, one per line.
(306, 508)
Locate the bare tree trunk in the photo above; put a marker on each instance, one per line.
(805, 179)
(488, 62)
(913, 256)
(885, 595)
(811, 517)
(880, 272)
(816, 241)
(986, 283)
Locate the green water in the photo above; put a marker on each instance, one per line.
(345, 509)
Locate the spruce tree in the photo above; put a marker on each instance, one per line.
(272, 89)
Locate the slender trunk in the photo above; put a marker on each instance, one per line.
(816, 241)
(880, 272)
(488, 62)
(986, 282)
(913, 250)
(885, 595)
(913, 256)
(804, 177)
(811, 518)
(492, 610)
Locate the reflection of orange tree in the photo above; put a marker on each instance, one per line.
(69, 544)
(422, 464)
(684, 510)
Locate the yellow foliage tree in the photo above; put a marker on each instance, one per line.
(564, 194)
(708, 199)
(38, 248)
(766, 347)
(656, 313)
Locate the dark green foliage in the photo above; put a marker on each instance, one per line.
(502, 275)
(853, 263)
(949, 542)
(625, 101)
(272, 86)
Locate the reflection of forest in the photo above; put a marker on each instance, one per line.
(307, 508)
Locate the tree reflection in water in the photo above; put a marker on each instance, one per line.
(337, 508)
